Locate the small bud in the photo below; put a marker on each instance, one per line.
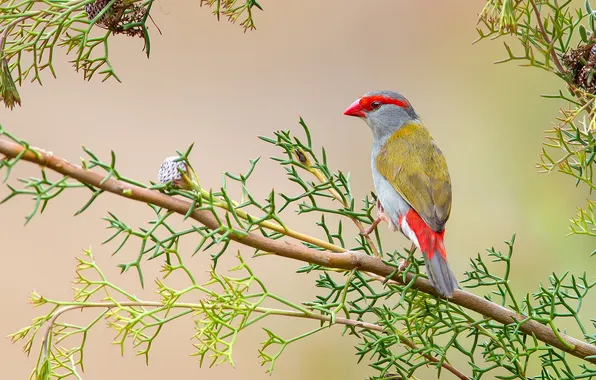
(8, 89)
(302, 157)
(584, 34)
(36, 299)
(501, 14)
(168, 171)
(44, 371)
(507, 20)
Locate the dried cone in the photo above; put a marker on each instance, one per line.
(581, 66)
(94, 8)
(168, 171)
(119, 17)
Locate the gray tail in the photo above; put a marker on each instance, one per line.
(440, 274)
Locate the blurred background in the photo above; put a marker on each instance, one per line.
(208, 82)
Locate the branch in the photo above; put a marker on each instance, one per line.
(346, 260)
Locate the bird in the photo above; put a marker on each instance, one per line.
(411, 180)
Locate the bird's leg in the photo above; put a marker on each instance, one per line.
(404, 263)
(381, 217)
(372, 227)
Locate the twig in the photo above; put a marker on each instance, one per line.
(317, 173)
(348, 260)
(444, 364)
(551, 48)
(7, 30)
(305, 160)
(274, 226)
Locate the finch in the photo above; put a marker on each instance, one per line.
(411, 179)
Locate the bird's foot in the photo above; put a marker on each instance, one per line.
(403, 265)
(372, 227)
(381, 217)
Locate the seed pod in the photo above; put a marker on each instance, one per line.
(8, 89)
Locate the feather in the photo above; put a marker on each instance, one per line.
(416, 168)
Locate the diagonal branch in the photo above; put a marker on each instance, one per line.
(344, 260)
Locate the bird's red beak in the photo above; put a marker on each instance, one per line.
(355, 109)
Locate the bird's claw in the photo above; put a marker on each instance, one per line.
(381, 217)
(403, 265)
(372, 227)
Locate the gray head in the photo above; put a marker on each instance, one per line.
(384, 111)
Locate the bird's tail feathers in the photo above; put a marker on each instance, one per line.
(440, 274)
(431, 244)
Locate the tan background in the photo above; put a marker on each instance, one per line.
(210, 83)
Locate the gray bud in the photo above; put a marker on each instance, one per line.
(168, 171)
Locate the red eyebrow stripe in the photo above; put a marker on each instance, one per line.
(366, 101)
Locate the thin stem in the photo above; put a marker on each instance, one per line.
(274, 226)
(558, 335)
(7, 30)
(405, 340)
(551, 46)
(317, 173)
(347, 260)
(69, 306)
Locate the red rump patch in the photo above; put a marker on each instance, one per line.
(430, 241)
(366, 102)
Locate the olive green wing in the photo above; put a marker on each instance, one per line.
(416, 168)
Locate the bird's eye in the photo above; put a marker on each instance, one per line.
(375, 105)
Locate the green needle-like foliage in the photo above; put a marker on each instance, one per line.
(31, 30)
(556, 37)
(400, 329)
